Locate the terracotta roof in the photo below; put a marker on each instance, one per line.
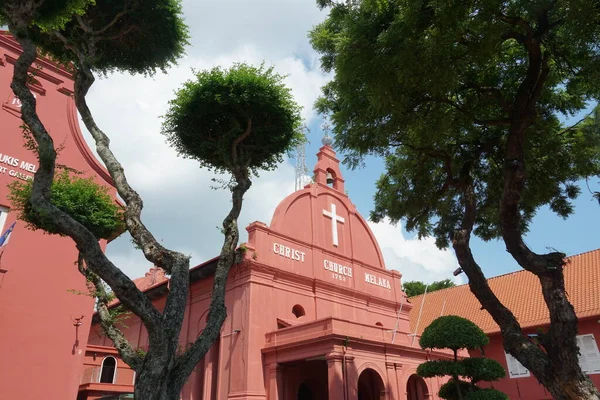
(519, 291)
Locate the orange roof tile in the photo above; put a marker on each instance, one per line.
(519, 291)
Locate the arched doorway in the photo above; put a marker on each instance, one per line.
(416, 388)
(305, 392)
(370, 385)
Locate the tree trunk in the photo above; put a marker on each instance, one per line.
(154, 384)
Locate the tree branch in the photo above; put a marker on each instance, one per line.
(86, 242)
(113, 22)
(173, 262)
(126, 351)
(517, 21)
(515, 342)
(217, 311)
(238, 140)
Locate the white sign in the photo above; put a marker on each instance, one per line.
(288, 252)
(334, 220)
(378, 281)
(338, 271)
(15, 162)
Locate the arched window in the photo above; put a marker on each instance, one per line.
(379, 324)
(298, 311)
(107, 372)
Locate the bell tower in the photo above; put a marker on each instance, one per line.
(327, 170)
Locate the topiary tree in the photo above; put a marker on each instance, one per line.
(143, 36)
(238, 121)
(456, 333)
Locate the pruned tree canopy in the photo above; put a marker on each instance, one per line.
(46, 15)
(453, 332)
(137, 36)
(83, 199)
(242, 117)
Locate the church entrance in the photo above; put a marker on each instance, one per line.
(305, 392)
(305, 380)
(416, 389)
(370, 385)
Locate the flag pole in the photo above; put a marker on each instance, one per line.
(419, 317)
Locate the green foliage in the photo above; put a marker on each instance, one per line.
(45, 15)
(137, 36)
(475, 368)
(449, 391)
(482, 369)
(441, 368)
(243, 117)
(141, 353)
(83, 199)
(487, 394)
(453, 332)
(430, 87)
(415, 288)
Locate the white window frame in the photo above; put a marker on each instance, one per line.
(589, 356)
(3, 215)
(102, 368)
(515, 368)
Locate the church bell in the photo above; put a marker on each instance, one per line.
(329, 178)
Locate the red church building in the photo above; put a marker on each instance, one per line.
(43, 325)
(313, 313)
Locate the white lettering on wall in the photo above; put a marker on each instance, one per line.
(378, 281)
(288, 252)
(338, 271)
(15, 162)
(17, 102)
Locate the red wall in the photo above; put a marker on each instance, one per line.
(40, 357)
(528, 388)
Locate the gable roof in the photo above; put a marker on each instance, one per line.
(519, 291)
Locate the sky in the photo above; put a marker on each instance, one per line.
(183, 210)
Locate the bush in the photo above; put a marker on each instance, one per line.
(84, 200)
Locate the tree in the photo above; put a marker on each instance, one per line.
(415, 288)
(456, 333)
(143, 36)
(462, 98)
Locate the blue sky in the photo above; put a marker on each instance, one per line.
(182, 210)
(574, 235)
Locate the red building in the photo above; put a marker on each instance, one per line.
(313, 313)
(43, 326)
(521, 293)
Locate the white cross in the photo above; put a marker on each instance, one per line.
(334, 220)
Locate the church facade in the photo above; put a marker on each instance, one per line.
(313, 313)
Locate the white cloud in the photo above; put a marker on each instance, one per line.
(181, 209)
(417, 260)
